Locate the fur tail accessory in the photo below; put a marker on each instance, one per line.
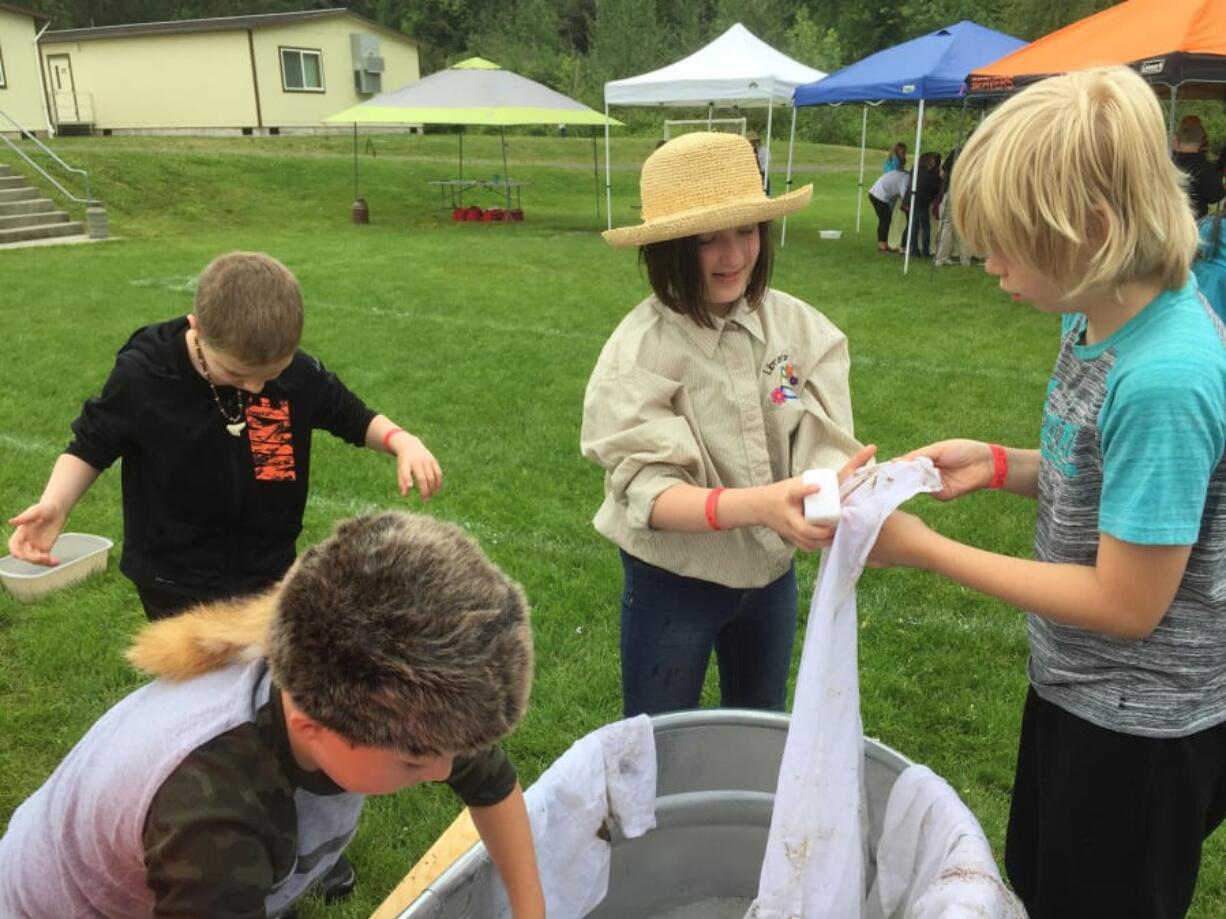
(205, 638)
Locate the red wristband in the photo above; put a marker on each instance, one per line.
(712, 501)
(1000, 466)
(387, 438)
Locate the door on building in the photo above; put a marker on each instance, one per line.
(63, 89)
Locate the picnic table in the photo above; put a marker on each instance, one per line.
(457, 187)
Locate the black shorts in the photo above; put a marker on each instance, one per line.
(1109, 824)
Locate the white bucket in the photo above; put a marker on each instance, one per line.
(80, 555)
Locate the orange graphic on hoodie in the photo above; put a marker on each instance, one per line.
(272, 441)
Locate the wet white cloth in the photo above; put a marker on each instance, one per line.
(933, 861)
(609, 775)
(815, 854)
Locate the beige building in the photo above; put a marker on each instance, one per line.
(21, 90)
(267, 74)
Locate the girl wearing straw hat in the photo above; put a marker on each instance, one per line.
(707, 403)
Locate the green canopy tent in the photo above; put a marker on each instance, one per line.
(474, 92)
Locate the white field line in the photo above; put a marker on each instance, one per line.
(468, 323)
(28, 445)
(919, 368)
(913, 367)
(184, 285)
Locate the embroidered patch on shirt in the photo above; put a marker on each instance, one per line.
(787, 379)
(272, 441)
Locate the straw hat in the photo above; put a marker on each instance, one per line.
(701, 183)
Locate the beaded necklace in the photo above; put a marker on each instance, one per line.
(234, 424)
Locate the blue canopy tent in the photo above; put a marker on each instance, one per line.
(932, 67)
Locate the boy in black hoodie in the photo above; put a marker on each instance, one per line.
(212, 416)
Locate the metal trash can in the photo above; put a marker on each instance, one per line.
(717, 770)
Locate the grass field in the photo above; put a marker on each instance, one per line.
(480, 337)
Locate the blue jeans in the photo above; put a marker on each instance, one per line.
(671, 623)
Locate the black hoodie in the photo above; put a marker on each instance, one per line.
(207, 514)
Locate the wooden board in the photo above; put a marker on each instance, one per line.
(455, 841)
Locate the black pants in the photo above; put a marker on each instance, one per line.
(921, 232)
(1110, 824)
(884, 215)
(161, 604)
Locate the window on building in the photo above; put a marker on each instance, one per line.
(3, 81)
(302, 70)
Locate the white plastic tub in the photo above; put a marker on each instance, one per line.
(80, 555)
(831, 234)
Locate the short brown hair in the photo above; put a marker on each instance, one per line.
(397, 632)
(249, 306)
(1191, 131)
(676, 278)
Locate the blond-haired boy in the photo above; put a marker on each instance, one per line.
(393, 653)
(1069, 190)
(212, 415)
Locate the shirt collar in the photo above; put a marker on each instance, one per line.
(273, 718)
(707, 339)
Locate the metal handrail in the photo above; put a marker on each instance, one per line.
(88, 200)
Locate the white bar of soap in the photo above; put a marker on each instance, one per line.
(822, 507)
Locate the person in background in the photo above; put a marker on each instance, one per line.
(888, 190)
(927, 191)
(1204, 180)
(1210, 263)
(895, 159)
(762, 155)
(947, 237)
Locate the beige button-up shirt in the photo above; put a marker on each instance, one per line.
(757, 399)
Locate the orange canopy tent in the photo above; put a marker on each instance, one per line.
(1179, 46)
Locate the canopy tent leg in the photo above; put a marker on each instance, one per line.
(608, 169)
(596, 174)
(919, 137)
(506, 179)
(355, 161)
(1174, 94)
(860, 187)
(787, 182)
(770, 113)
(461, 152)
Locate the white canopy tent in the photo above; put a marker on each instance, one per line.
(736, 69)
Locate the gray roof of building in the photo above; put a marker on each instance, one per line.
(21, 10)
(217, 24)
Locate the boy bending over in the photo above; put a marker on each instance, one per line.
(212, 415)
(393, 653)
(1121, 774)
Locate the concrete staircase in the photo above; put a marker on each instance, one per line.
(25, 215)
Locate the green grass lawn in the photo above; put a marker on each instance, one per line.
(480, 337)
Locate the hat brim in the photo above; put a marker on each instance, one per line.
(708, 219)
